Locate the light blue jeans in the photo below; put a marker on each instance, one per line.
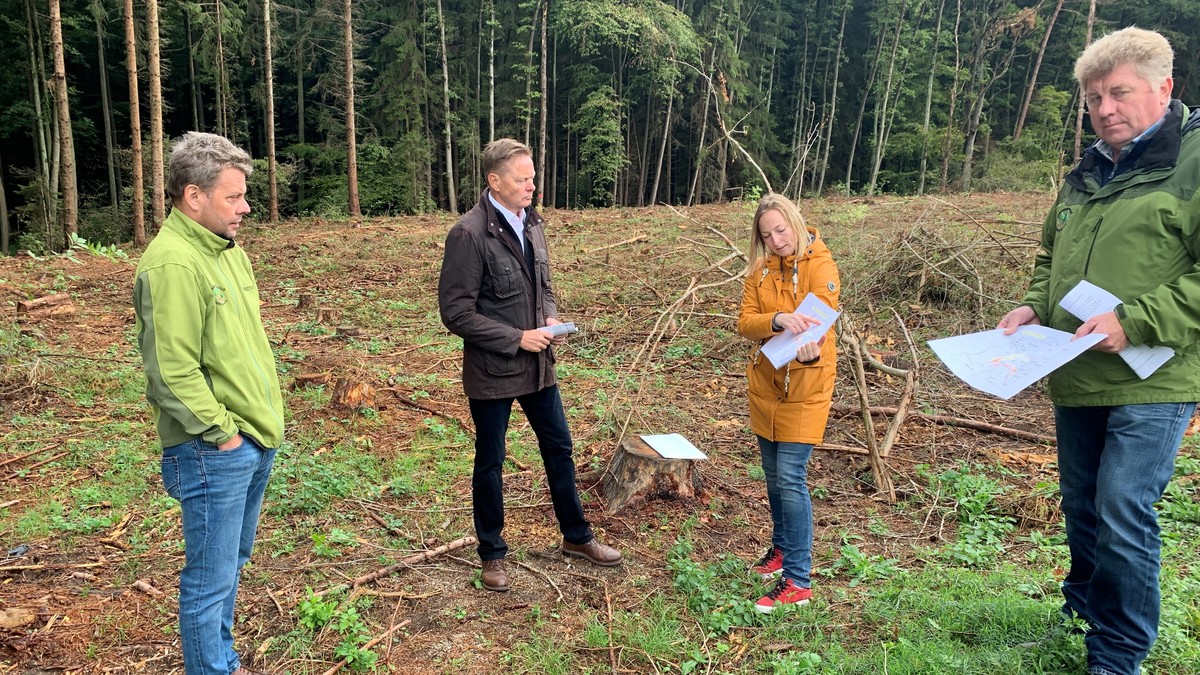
(786, 468)
(221, 493)
(1114, 463)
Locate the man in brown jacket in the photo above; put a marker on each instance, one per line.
(495, 293)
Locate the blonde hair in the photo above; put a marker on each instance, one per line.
(1147, 51)
(791, 216)
(497, 153)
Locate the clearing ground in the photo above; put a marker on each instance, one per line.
(94, 545)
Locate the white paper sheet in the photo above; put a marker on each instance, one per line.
(1003, 365)
(782, 348)
(673, 446)
(1087, 300)
(560, 329)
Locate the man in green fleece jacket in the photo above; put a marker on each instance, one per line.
(1127, 220)
(211, 381)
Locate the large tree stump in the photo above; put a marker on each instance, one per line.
(638, 474)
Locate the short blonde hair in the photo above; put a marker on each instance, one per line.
(1148, 51)
(791, 216)
(497, 153)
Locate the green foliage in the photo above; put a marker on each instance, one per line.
(716, 598)
(602, 147)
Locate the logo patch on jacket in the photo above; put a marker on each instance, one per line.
(1064, 216)
(831, 286)
(218, 294)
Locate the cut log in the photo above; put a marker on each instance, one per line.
(312, 380)
(56, 305)
(355, 395)
(638, 474)
(349, 331)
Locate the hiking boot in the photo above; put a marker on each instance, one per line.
(785, 593)
(770, 565)
(494, 577)
(594, 551)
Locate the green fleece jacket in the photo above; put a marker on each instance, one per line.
(1136, 235)
(210, 372)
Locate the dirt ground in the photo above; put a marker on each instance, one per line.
(91, 617)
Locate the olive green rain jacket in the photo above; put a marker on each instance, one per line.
(1137, 236)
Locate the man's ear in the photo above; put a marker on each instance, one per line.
(493, 180)
(191, 196)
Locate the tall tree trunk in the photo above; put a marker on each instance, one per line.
(451, 197)
(527, 107)
(881, 115)
(351, 143)
(933, 61)
(492, 71)
(830, 123)
(194, 86)
(644, 152)
(300, 67)
(42, 132)
(4, 229)
(157, 177)
(553, 203)
(662, 147)
(541, 168)
(862, 109)
(1087, 40)
(222, 82)
(273, 186)
(947, 144)
(70, 222)
(1033, 77)
(135, 128)
(105, 105)
(693, 197)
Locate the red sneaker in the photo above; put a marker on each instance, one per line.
(784, 593)
(770, 565)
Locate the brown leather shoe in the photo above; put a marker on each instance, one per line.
(594, 551)
(495, 577)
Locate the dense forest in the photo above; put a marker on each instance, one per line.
(380, 107)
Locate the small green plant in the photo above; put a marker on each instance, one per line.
(862, 567)
(314, 612)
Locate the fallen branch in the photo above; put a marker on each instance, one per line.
(340, 664)
(910, 385)
(31, 467)
(51, 566)
(844, 410)
(879, 471)
(18, 458)
(986, 231)
(412, 560)
(640, 237)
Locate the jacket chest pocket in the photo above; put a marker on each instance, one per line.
(506, 279)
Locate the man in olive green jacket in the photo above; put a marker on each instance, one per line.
(1127, 220)
(211, 381)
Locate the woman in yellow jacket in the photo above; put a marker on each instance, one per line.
(789, 406)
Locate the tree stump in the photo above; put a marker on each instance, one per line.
(353, 395)
(306, 301)
(638, 474)
(328, 315)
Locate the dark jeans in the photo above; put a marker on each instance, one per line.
(1114, 463)
(545, 413)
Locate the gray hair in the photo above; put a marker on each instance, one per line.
(497, 153)
(1147, 51)
(198, 159)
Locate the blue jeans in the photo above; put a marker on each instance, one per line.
(221, 492)
(786, 468)
(1114, 463)
(545, 413)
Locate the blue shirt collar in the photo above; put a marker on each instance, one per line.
(516, 220)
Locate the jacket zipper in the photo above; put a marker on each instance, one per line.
(237, 301)
(1095, 234)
